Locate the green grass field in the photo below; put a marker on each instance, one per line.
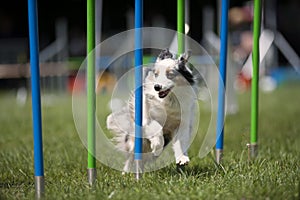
(275, 174)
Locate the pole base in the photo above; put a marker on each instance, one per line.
(219, 155)
(92, 173)
(252, 151)
(39, 186)
(138, 169)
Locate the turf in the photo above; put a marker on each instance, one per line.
(274, 174)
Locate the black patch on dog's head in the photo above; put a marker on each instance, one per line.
(182, 69)
(164, 54)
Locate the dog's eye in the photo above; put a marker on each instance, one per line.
(171, 74)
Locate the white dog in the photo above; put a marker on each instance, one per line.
(168, 110)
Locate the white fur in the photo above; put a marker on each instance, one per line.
(169, 116)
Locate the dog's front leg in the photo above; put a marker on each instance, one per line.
(181, 144)
(153, 131)
(180, 156)
(183, 137)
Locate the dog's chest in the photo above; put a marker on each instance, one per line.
(164, 112)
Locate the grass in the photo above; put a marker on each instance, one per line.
(275, 174)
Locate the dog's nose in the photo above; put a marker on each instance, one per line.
(157, 87)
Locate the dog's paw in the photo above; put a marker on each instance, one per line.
(157, 145)
(182, 160)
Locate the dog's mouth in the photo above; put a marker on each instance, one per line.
(163, 94)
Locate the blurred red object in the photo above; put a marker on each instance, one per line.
(242, 83)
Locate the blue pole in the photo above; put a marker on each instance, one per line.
(36, 99)
(138, 54)
(222, 82)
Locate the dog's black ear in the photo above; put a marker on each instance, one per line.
(183, 69)
(185, 57)
(164, 54)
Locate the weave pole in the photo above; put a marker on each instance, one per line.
(180, 26)
(222, 81)
(255, 77)
(138, 57)
(36, 99)
(91, 97)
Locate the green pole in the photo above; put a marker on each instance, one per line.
(255, 77)
(91, 91)
(180, 25)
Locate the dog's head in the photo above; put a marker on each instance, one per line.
(169, 73)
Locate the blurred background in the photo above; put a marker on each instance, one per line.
(62, 37)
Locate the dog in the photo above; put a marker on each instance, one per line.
(169, 89)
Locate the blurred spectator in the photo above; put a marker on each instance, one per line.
(240, 19)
